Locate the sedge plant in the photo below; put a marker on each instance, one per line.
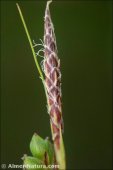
(44, 153)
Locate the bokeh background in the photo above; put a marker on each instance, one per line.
(84, 39)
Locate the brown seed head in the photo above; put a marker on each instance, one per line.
(51, 67)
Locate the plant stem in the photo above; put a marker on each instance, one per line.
(30, 42)
(32, 49)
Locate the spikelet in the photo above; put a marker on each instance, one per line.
(51, 68)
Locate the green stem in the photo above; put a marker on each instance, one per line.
(32, 49)
(30, 42)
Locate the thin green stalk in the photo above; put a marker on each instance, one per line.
(30, 42)
(32, 48)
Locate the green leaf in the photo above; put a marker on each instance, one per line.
(42, 149)
(38, 147)
(32, 163)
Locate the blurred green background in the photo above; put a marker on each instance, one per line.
(84, 39)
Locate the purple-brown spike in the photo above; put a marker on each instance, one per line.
(52, 76)
(51, 68)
